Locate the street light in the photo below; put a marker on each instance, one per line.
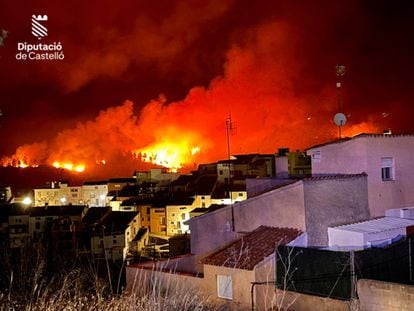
(27, 201)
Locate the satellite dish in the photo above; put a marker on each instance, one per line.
(340, 119)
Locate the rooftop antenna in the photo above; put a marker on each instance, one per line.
(229, 129)
(339, 118)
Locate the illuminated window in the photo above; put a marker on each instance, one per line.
(224, 286)
(387, 168)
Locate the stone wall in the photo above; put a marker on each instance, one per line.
(381, 296)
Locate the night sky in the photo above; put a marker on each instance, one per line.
(140, 74)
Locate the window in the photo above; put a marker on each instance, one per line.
(224, 286)
(240, 194)
(387, 168)
(183, 216)
(37, 225)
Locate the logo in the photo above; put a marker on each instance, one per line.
(39, 30)
(27, 51)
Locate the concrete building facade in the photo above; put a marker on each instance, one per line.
(310, 205)
(387, 159)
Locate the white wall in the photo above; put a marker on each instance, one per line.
(363, 154)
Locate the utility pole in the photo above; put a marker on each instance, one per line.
(229, 129)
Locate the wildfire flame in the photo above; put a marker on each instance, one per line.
(70, 166)
(258, 87)
(168, 154)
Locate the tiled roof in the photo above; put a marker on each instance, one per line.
(334, 176)
(251, 249)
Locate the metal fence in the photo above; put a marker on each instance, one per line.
(334, 273)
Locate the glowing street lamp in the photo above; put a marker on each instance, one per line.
(27, 201)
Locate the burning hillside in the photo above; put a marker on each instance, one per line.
(259, 87)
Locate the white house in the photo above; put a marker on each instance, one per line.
(95, 193)
(114, 234)
(58, 193)
(387, 159)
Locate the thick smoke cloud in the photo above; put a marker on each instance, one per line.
(257, 89)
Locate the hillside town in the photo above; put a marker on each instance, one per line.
(329, 226)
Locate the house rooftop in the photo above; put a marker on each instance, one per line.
(245, 158)
(200, 210)
(122, 180)
(211, 208)
(182, 180)
(377, 225)
(254, 247)
(180, 200)
(141, 232)
(338, 141)
(288, 181)
(204, 185)
(95, 183)
(15, 209)
(130, 191)
(138, 201)
(94, 214)
(333, 176)
(222, 190)
(52, 210)
(117, 221)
